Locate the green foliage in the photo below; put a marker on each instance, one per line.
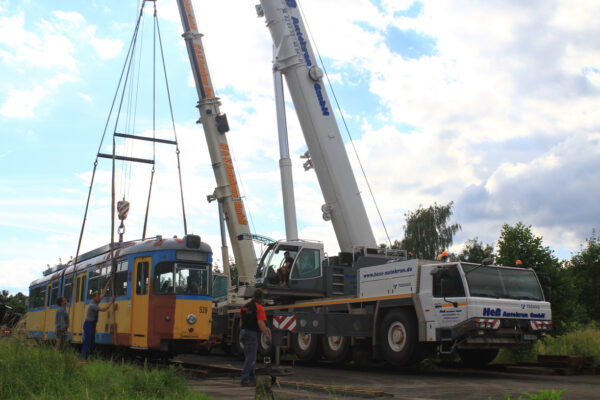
(475, 251)
(31, 371)
(580, 341)
(17, 302)
(585, 269)
(235, 275)
(539, 395)
(427, 232)
(519, 243)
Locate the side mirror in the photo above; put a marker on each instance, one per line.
(487, 261)
(547, 293)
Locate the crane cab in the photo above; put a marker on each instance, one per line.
(292, 269)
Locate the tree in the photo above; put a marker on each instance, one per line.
(519, 243)
(427, 232)
(17, 302)
(585, 269)
(475, 251)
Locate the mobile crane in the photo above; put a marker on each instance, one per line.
(364, 298)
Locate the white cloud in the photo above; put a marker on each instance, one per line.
(86, 97)
(105, 48)
(22, 103)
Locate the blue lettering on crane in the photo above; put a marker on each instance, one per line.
(303, 44)
(291, 3)
(322, 102)
(490, 312)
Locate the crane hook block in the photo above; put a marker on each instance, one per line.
(123, 209)
(222, 124)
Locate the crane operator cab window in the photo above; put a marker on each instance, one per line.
(448, 283)
(307, 265)
(276, 264)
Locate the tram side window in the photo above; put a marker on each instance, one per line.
(452, 283)
(93, 282)
(53, 294)
(103, 279)
(37, 297)
(68, 288)
(121, 279)
(141, 285)
(163, 278)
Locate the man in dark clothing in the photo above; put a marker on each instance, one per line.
(91, 319)
(252, 321)
(61, 322)
(283, 273)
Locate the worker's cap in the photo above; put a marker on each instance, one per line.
(519, 262)
(444, 254)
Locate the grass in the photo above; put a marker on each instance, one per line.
(582, 341)
(31, 371)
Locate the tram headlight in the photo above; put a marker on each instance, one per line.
(191, 319)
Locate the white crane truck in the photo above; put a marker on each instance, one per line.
(364, 298)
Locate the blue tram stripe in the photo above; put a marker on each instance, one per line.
(35, 334)
(192, 297)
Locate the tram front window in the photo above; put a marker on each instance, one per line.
(191, 279)
(163, 278)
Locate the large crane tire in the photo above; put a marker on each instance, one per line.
(265, 345)
(306, 346)
(399, 338)
(336, 348)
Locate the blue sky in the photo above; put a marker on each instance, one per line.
(491, 105)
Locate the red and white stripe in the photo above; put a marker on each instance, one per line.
(285, 322)
(538, 325)
(123, 209)
(495, 322)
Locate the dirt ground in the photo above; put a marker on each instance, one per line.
(353, 382)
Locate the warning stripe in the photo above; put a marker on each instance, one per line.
(285, 322)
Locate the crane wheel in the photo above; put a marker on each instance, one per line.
(265, 346)
(336, 348)
(399, 338)
(306, 346)
(237, 345)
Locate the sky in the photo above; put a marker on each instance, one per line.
(492, 105)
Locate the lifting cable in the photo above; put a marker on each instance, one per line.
(128, 74)
(129, 51)
(346, 126)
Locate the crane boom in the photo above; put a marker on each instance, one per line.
(215, 126)
(295, 59)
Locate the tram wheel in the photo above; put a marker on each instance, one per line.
(306, 346)
(336, 348)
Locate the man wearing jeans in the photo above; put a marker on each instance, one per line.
(252, 321)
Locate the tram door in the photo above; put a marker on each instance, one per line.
(139, 302)
(47, 318)
(77, 309)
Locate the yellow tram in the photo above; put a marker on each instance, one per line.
(162, 289)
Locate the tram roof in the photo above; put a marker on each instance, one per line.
(103, 254)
